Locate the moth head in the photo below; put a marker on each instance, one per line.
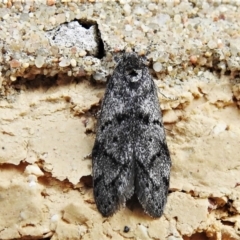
(133, 66)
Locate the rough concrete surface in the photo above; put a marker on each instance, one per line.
(50, 94)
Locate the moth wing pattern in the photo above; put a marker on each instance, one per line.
(153, 163)
(113, 166)
(130, 153)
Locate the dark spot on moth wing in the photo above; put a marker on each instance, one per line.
(157, 122)
(144, 118)
(105, 125)
(121, 118)
(165, 183)
(115, 139)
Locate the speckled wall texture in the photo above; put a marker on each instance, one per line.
(52, 78)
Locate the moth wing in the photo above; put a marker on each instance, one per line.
(113, 168)
(153, 163)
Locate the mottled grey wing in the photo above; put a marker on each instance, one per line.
(152, 157)
(113, 168)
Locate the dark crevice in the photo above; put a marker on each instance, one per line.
(42, 82)
(228, 223)
(89, 131)
(87, 181)
(101, 50)
(198, 236)
(85, 23)
(10, 166)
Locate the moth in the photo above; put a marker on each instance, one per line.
(130, 153)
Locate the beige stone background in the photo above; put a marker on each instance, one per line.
(48, 105)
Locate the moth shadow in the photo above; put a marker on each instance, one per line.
(136, 208)
(134, 205)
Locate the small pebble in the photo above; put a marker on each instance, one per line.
(64, 62)
(15, 63)
(39, 61)
(13, 78)
(212, 44)
(127, 8)
(128, 28)
(157, 67)
(73, 62)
